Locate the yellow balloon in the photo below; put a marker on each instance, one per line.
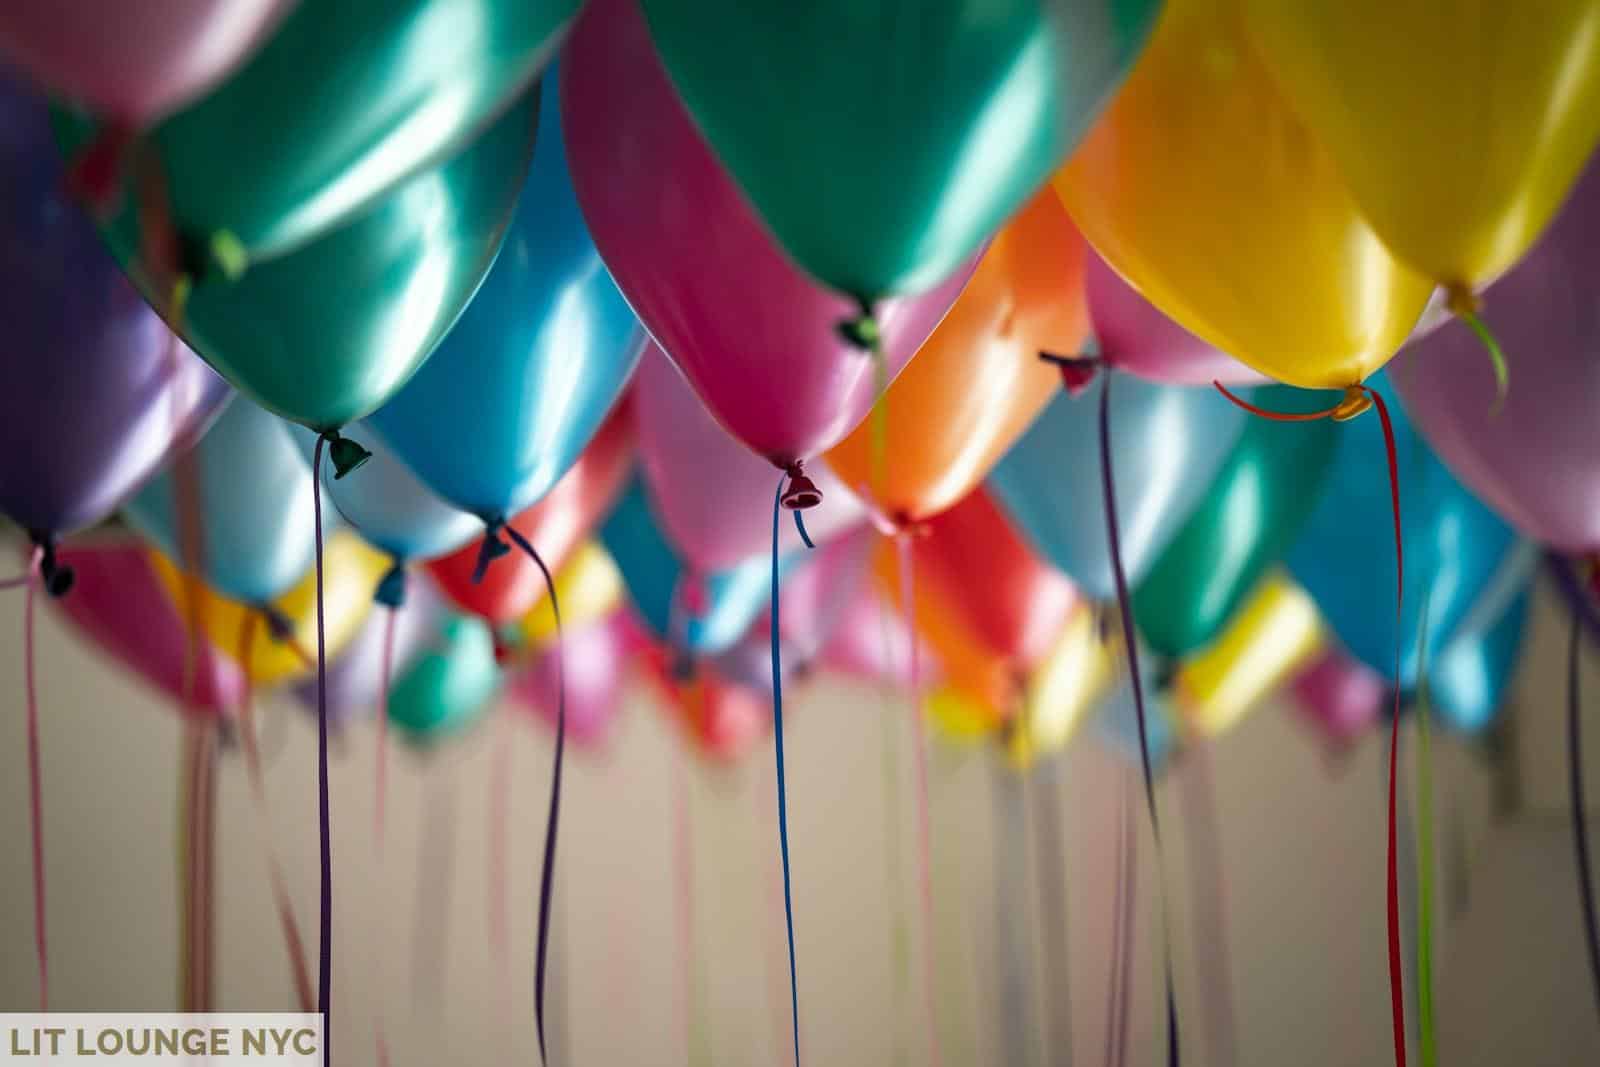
(1459, 127)
(958, 717)
(1204, 190)
(1061, 692)
(589, 587)
(351, 572)
(1277, 631)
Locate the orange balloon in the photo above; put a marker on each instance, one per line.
(977, 382)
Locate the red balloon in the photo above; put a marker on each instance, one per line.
(555, 526)
(720, 719)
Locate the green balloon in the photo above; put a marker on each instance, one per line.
(346, 99)
(1250, 517)
(447, 687)
(326, 334)
(884, 141)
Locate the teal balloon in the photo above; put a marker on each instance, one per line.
(1345, 556)
(506, 404)
(655, 577)
(388, 505)
(1167, 444)
(884, 141)
(1467, 684)
(1251, 513)
(328, 333)
(257, 520)
(449, 684)
(347, 99)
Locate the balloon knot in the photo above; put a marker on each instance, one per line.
(344, 453)
(94, 177)
(56, 576)
(1357, 401)
(490, 548)
(278, 624)
(1077, 372)
(693, 594)
(391, 591)
(802, 493)
(1165, 673)
(1461, 300)
(862, 331)
(682, 667)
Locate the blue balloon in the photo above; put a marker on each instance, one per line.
(1345, 557)
(653, 574)
(508, 400)
(1468, 680)
(388, 505)
(1167, 443)
(255, 500)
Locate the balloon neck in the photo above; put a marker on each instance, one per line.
(861, 331)
(1357, 401)
(801, 494)
(1165, 673)
(490, 548)
(1590, 569)
(1462, 301)
(56, 576)
(278, 624)
(344, 454)
(1077, 372)
(94, 177)
(391, 591)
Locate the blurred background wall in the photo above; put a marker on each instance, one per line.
(1300, 850)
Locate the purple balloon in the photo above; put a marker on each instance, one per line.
(95, 392)
(1342, 696)
(355, 679)
(1536, 462)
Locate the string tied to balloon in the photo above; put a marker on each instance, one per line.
(1357, 399)
(324, 828)
(1467, 306)
(1077, 372)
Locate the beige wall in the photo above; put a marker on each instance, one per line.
(1302, 846)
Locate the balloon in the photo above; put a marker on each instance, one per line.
(1061, 692)
(1132, 335)
(976, 383)
(1117, 721)
(135, 62)
(1345, 556)
(388, 505)
(1405, 95)
(96, 392)
(355, 681)
(1467, 684)
(119, 604)
(501, 411)
(713, 495)
(594, 662)
(589, 587)
(347, 100)
(328, 333)
(755, 337)
(703, 614)
(1167, 444)
(254, 503)
(958, 718)
(1013, 601)
(872, 642)
(555, 526)
(1533, 460)
(1276, 633)
(721, 719)
(449, 685)
(1341, 695)
(350, 572)
(923, 127)
(1202, 188)
(1247, 520)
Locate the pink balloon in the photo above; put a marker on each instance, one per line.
(873, 643)
(712, 495)
(119, 603)
(753, 334)
(596, 660)
(133, 62)
(1340, 695)
(1135, 337)
(1537, 460)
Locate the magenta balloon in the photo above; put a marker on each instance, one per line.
(873, 643)
(596, 660)
(1341, 695)
(1135, 337)
(712, 495)
(119, 603)
(1536, 462)
(133, 62)
(753, 334)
